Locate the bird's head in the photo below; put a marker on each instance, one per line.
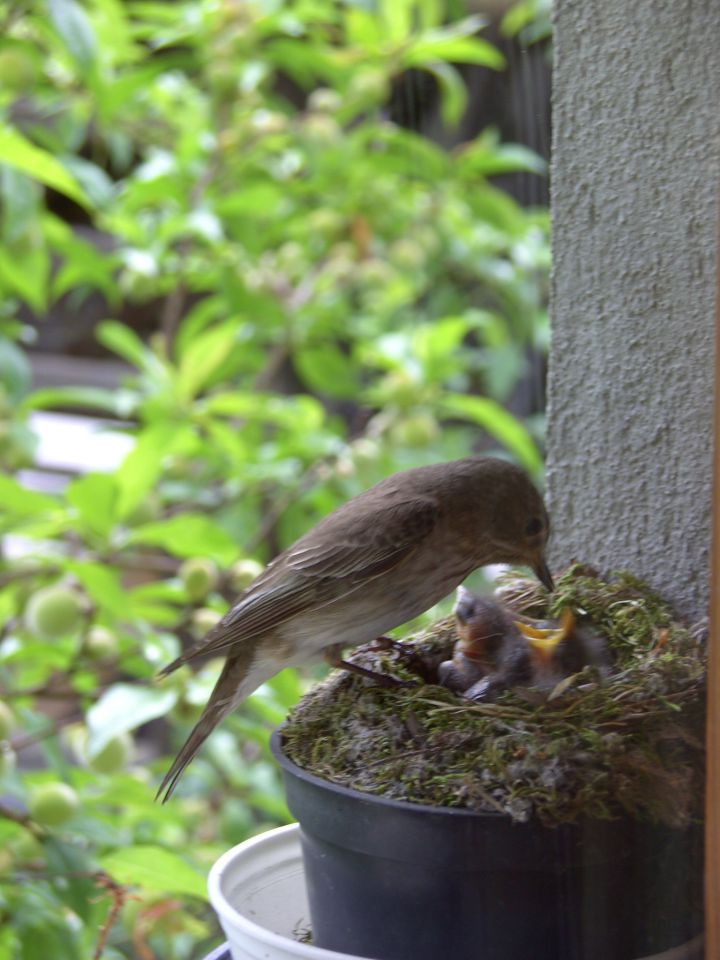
(519, 526)
(533, 539)
(481, 624)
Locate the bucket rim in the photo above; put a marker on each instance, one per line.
(226, 912)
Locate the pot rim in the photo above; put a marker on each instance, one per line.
(360, 795)
(224, 909)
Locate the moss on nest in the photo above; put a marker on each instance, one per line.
(630, 742)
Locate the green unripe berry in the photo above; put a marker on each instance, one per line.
(243, 572)
(325, 222)
(199, 576)
(369, 85)
(26, 847)
(114, 756)
(100, 643)
(53, 612)
(324, 100)
(365, 450)
(416, 431)
(203, 620)
(268, 122)
(399, 388)
(321, 129)
(18, 71)
(52, 804)
(145, 512)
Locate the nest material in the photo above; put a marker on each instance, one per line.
(631, 742)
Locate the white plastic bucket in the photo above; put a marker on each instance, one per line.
(258, 891)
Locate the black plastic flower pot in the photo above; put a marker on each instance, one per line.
(398, 881)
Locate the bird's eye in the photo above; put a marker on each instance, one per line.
(534, 527)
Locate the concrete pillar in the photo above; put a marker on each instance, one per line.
(635, 185)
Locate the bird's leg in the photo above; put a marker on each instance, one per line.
(387, 643)
(405, 654)
(333, 655)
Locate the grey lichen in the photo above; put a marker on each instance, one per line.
(628, 742)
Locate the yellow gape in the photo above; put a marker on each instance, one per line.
(544, 641)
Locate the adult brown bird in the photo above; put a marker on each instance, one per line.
(379, 560)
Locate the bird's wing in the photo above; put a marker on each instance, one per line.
(331, 561)
(363, 546)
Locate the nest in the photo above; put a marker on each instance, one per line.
(630, 742)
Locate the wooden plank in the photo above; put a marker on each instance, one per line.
(712, 787)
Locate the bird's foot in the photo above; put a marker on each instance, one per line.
(332, 656)
(388, 643)
(407, 655)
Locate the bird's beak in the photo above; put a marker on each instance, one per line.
(542, 641)
(542, 572)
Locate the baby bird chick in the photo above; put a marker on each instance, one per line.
(491, 654)
(495, 651)
(560, 650)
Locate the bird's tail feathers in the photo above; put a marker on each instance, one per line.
(210, 718)
(234, 684)
(172, 667)
(197, 650)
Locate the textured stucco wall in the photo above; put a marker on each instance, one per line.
(636, 173)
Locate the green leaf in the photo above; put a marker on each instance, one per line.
(287, 687)
(74, 28)
(203, 357)
(142, 467)
(188, 535)
(21, 203)
(16, 151)
(363, 28)
(488, 157)
(397, 17)
(18, 501)
(122, 340)
(499, 423)
(93, 179)
(124, 707)
(154, 612)
(453, 91)
(517, 17)
(25, 271)
(325, 369)
(103, 586)
(73, 867)
(436, 345)
(94, 496)
(121, 403)
(531, 20)
(256, 198)
(430, 13)
(305, 62)
(453, 45)
(40, 920)
(154, 868)
(15, 372)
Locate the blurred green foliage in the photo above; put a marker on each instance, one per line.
(336, 298)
